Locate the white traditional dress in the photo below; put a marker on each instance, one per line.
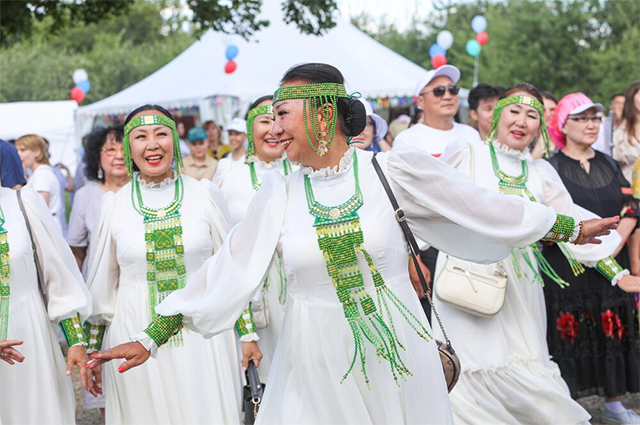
(38, 391)
(316, 346)
(196, 383)
(507, 375)
(238, 188)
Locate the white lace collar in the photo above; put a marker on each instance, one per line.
(277, 163)
(524, 154)
(343, 165)
(169, 181)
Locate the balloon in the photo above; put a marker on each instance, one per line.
(482, 38)
(438, 60)
(435, 49)
(80, 75)
(230, 67)
(232, 52)
(479, 23)
(85, 86)
(77, 94)
(445, 39)
(473, 48)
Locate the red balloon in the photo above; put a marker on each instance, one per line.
(230, 67)
(77, 94)
(438, 60)
(482, 38)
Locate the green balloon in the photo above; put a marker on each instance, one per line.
(473, 48)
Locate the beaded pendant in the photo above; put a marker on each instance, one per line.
(4, 279)
(341, 240)
(164, 249)
(510, 185)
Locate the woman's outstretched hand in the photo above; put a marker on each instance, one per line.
(629, 284)
(596, 227)
(133, 352)
(10, 354)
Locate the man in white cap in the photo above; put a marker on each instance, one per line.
(437, 96)
(237, 132)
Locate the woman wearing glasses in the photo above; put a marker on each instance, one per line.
(592, 330)
(437, 97)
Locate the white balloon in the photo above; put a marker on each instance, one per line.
(80, 75)
(445, 39)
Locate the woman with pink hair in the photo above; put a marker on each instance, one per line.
(591, 329)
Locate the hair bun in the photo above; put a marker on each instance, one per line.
(356, 119)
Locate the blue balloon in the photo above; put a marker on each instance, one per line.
(473, 48)
(85, 86)
(435, 49)
(479, 23)
(232, 52)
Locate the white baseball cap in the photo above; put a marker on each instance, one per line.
(444, 71)
(381, 124)
(237, 124)
(580, 109)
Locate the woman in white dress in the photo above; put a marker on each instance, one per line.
(507, 375)
(38, 391)
(343, 357)
(153, 234)
(239, 183)
(33, 153)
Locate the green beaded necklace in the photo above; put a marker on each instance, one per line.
(165, 252)
(255, 183)
(341, 240)
(4, 279)
(510, 185)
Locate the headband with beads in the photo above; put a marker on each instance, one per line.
(523, 100)
(318, 95)
(151, 120)
(251, 116)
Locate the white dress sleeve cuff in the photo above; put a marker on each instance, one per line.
(250, 337)
(146, 342)
(619, 276)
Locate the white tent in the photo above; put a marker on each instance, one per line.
(197, 74)
(55, 121)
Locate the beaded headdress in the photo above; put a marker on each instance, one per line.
(251, 116)
(523, 100)
(317, 95)
(151, 120)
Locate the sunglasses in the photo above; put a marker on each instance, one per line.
(439, 91)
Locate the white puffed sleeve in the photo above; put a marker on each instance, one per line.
(104, 273)
(218, 292)
(446, 209)
(66, 292)
(557, 196)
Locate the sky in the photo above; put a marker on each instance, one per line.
(398, 12)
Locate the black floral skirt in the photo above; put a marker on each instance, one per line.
(592, 330)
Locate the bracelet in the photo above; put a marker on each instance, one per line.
(72, 331)
(94, 335)
(580, 236)
(562, 230)
(609, 268)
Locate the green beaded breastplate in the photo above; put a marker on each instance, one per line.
(4, 279)
(164, 249)
(341, 240)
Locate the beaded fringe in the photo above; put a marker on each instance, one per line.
(543, 266)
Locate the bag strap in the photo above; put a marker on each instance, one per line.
(411, 241)
(33, 249)
(255, 386)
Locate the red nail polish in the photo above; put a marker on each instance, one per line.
(94, 355)
(121, 369)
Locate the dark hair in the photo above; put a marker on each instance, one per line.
(148, 107)
(480, 92)
(629, 113)
(95, 141)
(546, 94)
(256, 103)
(615, 95)
(525, 87)
(352, 117)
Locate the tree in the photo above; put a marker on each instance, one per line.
(233, 16)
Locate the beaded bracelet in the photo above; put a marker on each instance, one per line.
(609, 267)
(72, 331)
(562, 229)
(163, 328)
(580, 236)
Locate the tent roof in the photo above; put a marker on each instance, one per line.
(198, 72)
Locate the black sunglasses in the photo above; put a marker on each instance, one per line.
(439, 91)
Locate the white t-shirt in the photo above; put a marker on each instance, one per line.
(44, 179)
(434, 141)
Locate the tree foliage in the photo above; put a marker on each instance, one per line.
(232, 16)
(564, 46)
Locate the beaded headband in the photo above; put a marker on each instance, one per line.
(523, 100)
(151, 120)
(319, 95)
(251, 116)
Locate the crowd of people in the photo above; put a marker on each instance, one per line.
(280, 248)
